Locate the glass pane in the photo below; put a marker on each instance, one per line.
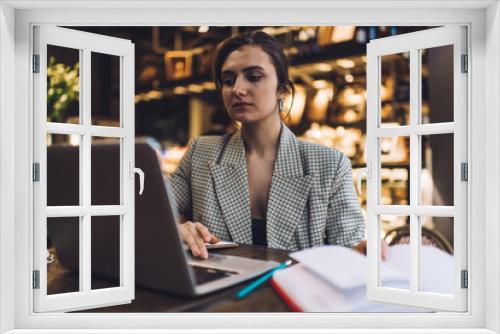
(63, 84)
(436, 180)
(362, 196)
(105, 171)
(395, 89)
(63, 169)
(105, 91)
(395, 170)
(63, 262)
(437, 261)
(437, 84)
(105, 252)
(395, 230)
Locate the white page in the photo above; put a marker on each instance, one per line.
(347, 269)
(436, 267)
(342, 266)
(437, 271)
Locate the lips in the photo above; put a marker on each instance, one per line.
(240, 104)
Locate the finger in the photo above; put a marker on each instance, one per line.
(202, 248)
(200, 243)
(364, 246)
(385, 251)
(191, 242)
(203, 231)
(215, 239)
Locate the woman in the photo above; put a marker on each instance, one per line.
(261, 185)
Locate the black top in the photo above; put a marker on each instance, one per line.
(259, 236)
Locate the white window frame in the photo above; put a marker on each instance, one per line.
(413, 43)
(16, 20)
(85, 43)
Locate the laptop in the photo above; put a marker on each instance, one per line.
(161, 259)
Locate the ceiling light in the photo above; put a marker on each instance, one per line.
(323, 67)
(208, 85)
(320, 84)
(303, 36)
(180, 90)
(346, 63)
(194, 88)
(203, 29)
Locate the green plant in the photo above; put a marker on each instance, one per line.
(63, 87)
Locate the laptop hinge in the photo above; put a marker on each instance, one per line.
(36, 279)
(464, 280)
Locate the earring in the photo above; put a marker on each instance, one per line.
(281, 104)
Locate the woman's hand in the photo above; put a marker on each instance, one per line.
(361, 247)
(195, 235)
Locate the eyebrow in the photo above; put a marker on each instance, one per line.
(246, 69)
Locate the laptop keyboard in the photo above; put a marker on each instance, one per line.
(216, 257)
(205, 275)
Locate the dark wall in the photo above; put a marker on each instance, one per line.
(440, 85)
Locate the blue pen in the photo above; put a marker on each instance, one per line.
(255, 284)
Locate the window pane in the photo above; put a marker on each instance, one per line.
(63, 84)
(64, 248)
(395, 170)
(105, 92)
(437, 260)
(63, 169)
(436, 180)
(437, 84)
(105, 252)
(395, 230)
(395, 89)
(105, 171)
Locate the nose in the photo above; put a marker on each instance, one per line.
(239, 87)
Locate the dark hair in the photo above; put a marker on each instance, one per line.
(268, 44)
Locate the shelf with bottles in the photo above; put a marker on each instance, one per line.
(304, 45)
(348, 106)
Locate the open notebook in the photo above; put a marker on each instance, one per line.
(333, 278)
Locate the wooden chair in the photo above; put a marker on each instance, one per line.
(401, 235)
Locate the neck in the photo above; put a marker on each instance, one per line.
(262, 137)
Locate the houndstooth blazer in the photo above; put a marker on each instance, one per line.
(311, 199)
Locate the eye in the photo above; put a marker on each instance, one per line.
(253, 77)
(227, 81)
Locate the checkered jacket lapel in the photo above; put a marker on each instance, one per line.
(287, 196)
(231, 188)
(289, 192)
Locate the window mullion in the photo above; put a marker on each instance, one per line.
(85, 177)
(124, 188)
(421, 210)
(420, 129)
(414, 170)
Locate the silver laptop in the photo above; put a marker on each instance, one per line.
(161, 260)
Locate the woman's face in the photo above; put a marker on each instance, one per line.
(249, 85)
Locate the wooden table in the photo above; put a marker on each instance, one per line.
(264, 299)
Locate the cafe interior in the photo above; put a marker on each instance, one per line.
(176, 101)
